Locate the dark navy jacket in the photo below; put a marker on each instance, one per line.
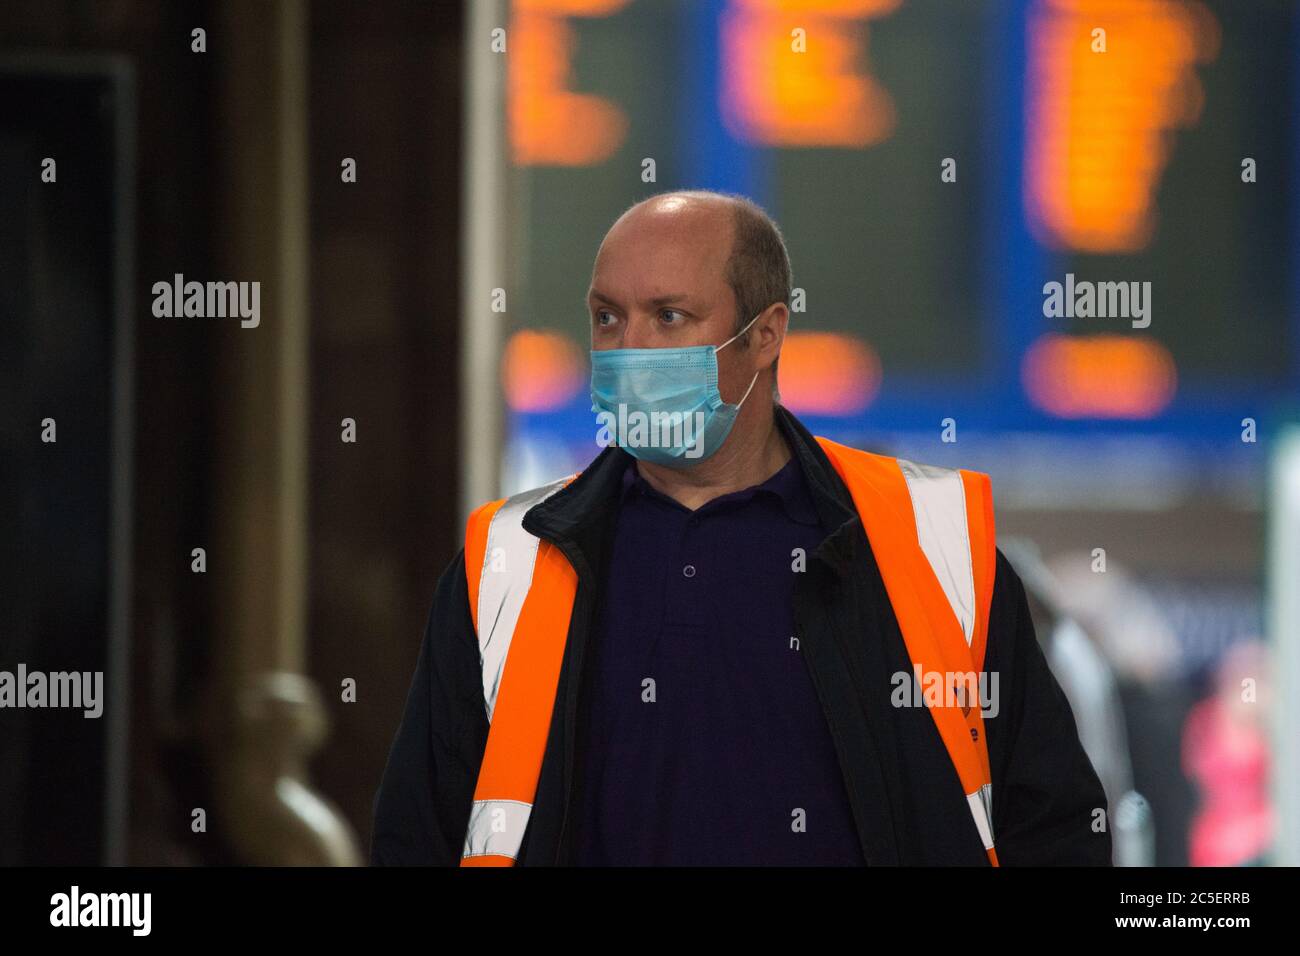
(907, 802)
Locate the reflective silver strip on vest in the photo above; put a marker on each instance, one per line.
(503, 584)
(939, 501)
(496, 828)
(981, 808)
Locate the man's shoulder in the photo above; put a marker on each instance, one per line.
(519, 501)
(843, 454)
(923, 481)
(564, 497)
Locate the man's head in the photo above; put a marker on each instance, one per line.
(693, 268)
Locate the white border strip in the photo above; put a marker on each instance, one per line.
(939, 502)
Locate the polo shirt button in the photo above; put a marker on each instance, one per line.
(689, 571)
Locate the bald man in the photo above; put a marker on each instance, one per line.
(714, 645)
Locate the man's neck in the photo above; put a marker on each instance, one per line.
(753, 453)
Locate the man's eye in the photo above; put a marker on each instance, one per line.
(604, 318)
(671, 317)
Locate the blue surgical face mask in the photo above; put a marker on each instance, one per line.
(663, 405)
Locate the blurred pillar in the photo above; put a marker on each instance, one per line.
(484, 204)
(267, 717)
(1283, 626)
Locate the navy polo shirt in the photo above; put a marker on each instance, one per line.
(704, 741)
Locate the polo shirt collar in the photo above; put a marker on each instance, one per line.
(787, 485)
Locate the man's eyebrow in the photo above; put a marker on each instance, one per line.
(659, 300)
(670, 298)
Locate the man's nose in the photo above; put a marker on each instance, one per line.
(637, 332)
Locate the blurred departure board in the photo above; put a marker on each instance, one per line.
(935, 168)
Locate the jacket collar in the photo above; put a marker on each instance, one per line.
(577, 517)
(786, 488)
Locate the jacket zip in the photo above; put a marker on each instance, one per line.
(855, 799)
(576, 560)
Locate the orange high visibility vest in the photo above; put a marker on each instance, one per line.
(931, 530)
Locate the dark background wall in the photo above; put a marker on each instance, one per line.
(384, 89)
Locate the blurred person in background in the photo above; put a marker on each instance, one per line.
(1089, 684)
(1140, 644)
(716, 644)
(1226, 751)
(1133, 633)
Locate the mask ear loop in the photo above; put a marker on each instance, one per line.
(737, 335)
(748, 390)
(728, 342)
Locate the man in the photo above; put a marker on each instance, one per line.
(716, 644)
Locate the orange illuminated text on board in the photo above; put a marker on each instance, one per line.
(1108, 81)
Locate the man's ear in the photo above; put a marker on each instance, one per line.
(771, 330)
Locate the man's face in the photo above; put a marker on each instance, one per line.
(659, 282)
